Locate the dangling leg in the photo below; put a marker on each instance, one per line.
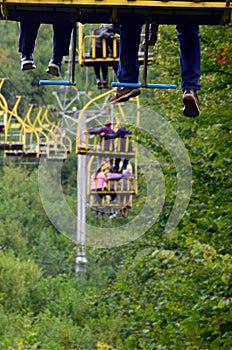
(61, 40)
(125, 163)
(190, 65)
(115, 67)
(104, 69)
(128, 68)
(96, 68)
(27, 38)
(116, 164)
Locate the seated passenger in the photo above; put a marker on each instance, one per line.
(98, 184)
(107, 32)
(106, 129)
(126, 185)
(111, 181)
(123, 146)
(61, 40)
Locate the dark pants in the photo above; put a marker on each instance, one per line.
(115, 67)
(100, 68)
(124, 164)
(190, 56)
(61, 38)
(98, 198)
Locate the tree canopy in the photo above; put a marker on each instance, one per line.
(157, 292)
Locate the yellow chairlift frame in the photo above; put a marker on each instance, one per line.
(106, 11)
(87, 50)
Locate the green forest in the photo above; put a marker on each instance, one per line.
(157, 292)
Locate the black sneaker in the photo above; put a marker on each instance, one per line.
(105, 84)
(99, 84)
(27, 62)
(54, 68)
(123, 94)
(191, 104)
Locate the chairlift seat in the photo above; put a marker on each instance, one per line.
(98, 152)
(103, 11)
(109, 148)
(21, 154)
(106, 203)
(108, 192)
(88, 60)
(9, 153)
(56, 155)
(11, 146)
(56, 159)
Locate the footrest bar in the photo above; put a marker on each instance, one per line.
(55, 82)
(139, 85)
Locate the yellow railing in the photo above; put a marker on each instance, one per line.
(87, 49)
(26, 138)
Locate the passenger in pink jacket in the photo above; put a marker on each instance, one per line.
(101, 183)
(98, 184)
(98, 181)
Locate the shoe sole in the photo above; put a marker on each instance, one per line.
(105, 85)
(126, 97)
(53, 70)
(190, 107)
(28, 66)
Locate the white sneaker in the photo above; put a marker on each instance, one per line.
(54, 68)
(27, 62)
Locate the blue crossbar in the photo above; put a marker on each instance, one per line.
(54, 82)
(139, 85)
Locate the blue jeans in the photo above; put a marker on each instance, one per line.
(190, 55)
(61, 38)
(128, 67)
(190, 58)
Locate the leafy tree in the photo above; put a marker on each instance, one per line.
(158, 292)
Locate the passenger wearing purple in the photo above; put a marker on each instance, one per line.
(106, 129)
(111, 180)
(122, 132)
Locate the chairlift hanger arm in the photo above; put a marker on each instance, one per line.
(105, 11)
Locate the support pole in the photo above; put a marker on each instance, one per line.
(81, 261)
(145, 55)
(74, 46)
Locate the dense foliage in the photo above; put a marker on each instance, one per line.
(158, 292)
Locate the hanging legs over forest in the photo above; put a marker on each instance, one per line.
(190, 60)
(61, 40)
